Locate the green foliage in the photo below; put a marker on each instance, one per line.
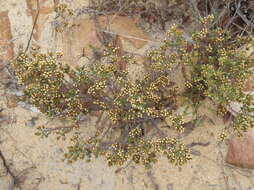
(137, 148)
(213, 66)
(61, 91)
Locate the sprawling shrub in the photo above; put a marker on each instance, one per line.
(213, 66)
(132, 107)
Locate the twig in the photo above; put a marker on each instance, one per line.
(194, 9)
(221, 15)
(244, 18)
(129, 36)
(233, 17)
(34, 24)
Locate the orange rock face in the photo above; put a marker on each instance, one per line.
(78, 39)
(6, 44)
(46, 8)
(241, 151)
(127, 29)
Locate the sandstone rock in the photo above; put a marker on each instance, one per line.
(78, 40)
(6, 44)
(127, 29)
(241, 151)
(41, 31)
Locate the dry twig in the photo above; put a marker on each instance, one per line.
(34, 24)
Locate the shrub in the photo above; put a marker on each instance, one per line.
(133, 107)
(214, 68)
(156, 13)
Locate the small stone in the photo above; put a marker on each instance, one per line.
(241, 151)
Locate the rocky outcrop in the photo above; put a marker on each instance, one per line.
(6, 43)
(241, 151)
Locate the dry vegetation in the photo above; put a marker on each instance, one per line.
(209, 58)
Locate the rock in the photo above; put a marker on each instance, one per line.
(241, 151)
(29, 107)
(42, 30)
(77, 40)
(127, 29)
(6, 44)
(235, 107)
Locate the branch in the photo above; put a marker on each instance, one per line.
(35, 22)
(244, 18)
